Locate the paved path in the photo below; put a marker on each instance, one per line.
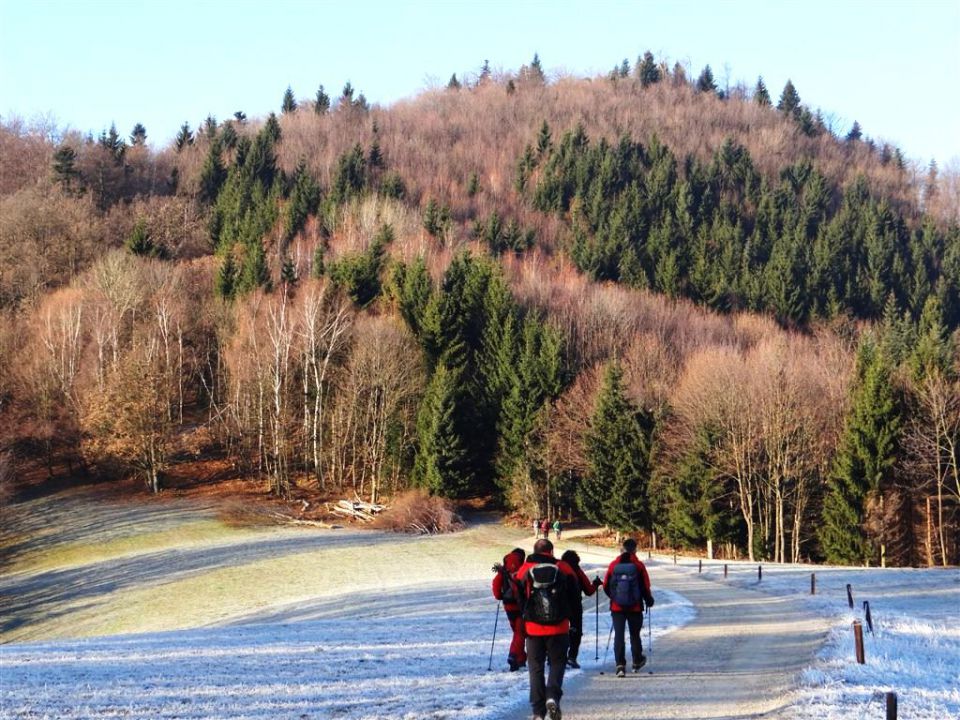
(738, 658)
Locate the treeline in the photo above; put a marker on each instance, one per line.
(725, 236)
(345, 298)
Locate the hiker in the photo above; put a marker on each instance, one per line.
(587, 587)
(549, 586)
(545, 528)
(557, 527)
(536, 528)
(506, 588)
(628, 587)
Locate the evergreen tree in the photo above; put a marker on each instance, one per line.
(140, 242)
(614, 492)
(454, 84)
(304, 200)
(113, 143)
(210, 127)
(647, 70)
(240, 116)
(432, 219)
(789, 101)
(349, 177)
(271, 129)
(375, 156)
(415, 290)
(346, 96)
(442, 463)
(138, 136)
(360, 274)
(864, 460)
(856, 133)
(760, 94)
(288, 273)
(322, 102)
(226, 280)
(289, 103)
(254, 272)
(212, 175)
(64, 167)
(473, 185)
(624, 70)
(544, 141)
(536, 69)
(184, 137)
(484, 73)
(705, 82)
(319, 266)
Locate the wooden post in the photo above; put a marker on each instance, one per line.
(849, 596)
(699, 566)
(858, 641)
(891, 706)
(724, 570)
(674, 557)
(813, 583)
(759, 573)
(649, 555)
(867, 616)
(709, 549)
(929, 534)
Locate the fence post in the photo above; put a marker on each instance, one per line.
(759, 573)
(891, 706)
(813, 583)
(649, 555)
(674, 557)
(858, 641)
(699, 566)
(849, 596)
(867, 616)
(724, 570)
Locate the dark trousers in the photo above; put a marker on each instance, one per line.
(541, 648)
(635, 621)
(576, 634)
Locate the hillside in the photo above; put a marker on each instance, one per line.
(665, 307)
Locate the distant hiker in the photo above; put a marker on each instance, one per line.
(545, 528)
(536, 528)
(557, 527)
(506, 588)
(549, 586)
(628, 587)
(586, 586)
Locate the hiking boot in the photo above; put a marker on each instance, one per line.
(553, 709)
(572, 662)
(621, 670)
(638, 665)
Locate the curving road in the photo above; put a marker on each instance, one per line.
(738, 658)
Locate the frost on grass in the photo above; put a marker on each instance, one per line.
(416, 653)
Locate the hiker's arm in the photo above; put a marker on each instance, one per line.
(585, 583)
(647, 594)
(606, 580)
(498, 586)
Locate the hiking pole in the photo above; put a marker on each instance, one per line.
(650, 638)
(607, 651)
(596, 632)
(495, 621)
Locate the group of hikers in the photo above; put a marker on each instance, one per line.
(542, 527)
(543, 600)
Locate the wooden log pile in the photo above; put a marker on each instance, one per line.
(356, 509)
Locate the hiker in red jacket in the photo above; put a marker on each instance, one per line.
(587, 587)
(549, 585)
(506, 588)
(628, 587)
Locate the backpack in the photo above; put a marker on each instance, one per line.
(546, 595)
(625, 582)
(508, 588)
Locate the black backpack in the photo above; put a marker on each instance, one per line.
(546, 595)
(508, 588)
(625, 584)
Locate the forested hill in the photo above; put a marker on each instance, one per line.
(640, 297)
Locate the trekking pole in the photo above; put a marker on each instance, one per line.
(607, 651)
(495, 621)
(650, 636)
(596, 633)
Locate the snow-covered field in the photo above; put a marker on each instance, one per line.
(914, 650)
(418, 647)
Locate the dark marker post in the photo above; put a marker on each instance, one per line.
(858, 642)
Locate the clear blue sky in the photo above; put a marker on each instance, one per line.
(892, 66)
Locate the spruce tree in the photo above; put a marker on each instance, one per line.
(289, 103)
(536, 69)
(184, 137)
(454, 84)
(441, 464)
(864, 460)
(473, 185)
(322, 102)
(614, 491)
(138, 136)
(789, 101)
(225, 283)
(346, 96)
(647, 70)
(212, 175)
(415, 292)
(544, 141)
(288, 272)
(431, 218)
(140, 243)
(304, 200)
(761, 95)
(484, 72)
(705, 82)
(856, 133)
(254, 272)
(64, 167)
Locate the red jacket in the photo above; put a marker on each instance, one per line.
(535, 628)
(644, 583)
(586, 584)
(511, 563)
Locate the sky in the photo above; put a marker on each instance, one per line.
(892, 66)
